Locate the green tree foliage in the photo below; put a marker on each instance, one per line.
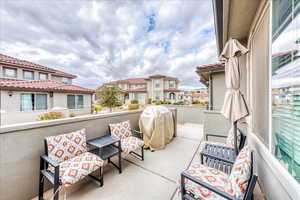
(108, 96)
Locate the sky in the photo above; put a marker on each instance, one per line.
(106, 40)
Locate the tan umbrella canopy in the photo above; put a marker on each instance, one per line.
(234, 106)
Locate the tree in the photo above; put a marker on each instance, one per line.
(108, 96)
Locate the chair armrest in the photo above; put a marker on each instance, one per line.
(214, 135)
(49, 161)
(208, 186)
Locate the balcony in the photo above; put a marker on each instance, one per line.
(155, 178)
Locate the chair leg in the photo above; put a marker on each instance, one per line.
(41, 186)
(142, 153)
(41, 181)
(101, 176)
(182, 188)
(56, 183)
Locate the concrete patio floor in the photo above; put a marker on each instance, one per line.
(155, 178)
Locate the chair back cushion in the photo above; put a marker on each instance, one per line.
(240, 174)
(121, 130)
(66, 146)
(230, 138)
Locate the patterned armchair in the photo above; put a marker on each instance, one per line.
(67, 161)
(202, 182)
(129, 143)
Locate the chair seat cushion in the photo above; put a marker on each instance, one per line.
(76, 168)
(208, 175)
(131, 143)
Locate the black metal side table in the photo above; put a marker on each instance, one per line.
(106, 148)
(218, 157)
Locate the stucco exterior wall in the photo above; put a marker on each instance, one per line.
(11, 107)
(21, 145)
(218, 91)
(189, 114)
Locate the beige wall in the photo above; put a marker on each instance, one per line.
(189, 114)
(21, 145)
(11, 113)
(218, 83)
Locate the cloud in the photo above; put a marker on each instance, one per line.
(103, 40)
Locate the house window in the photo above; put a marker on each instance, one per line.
(43, 76)
(28, 75)
(75, 101)
(31, 101)
(65, 80)
(172, 84)
(157, 83)
(157, 95)
(9, 72)
(286, 85)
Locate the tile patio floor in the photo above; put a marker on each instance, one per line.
(156, 178)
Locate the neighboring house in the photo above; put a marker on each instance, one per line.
(194, 96)
(146, 90)
(28, 90)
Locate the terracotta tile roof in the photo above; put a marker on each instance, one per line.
(163, 76)
(8, 60)
(197, 95)
(129, 81)
(141, 80)
(41, 85)
(210, 67)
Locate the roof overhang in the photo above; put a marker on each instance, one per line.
(205, 74)
(233, 19)
(20, 89)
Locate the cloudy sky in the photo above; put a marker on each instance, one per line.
(106, 40)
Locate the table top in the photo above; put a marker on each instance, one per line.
(103, 141)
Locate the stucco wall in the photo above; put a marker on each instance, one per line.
(21, 145)
(11, 113)
(218, 82)
(189, 114)
(215, 123)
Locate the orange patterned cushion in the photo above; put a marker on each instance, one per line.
(240, 174)
(74, 169)
(131, 144)
(121, 130)
(209, 175)
(66, 146)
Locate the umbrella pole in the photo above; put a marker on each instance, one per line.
(235, 137)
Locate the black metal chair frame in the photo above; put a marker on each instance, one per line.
(243, 138)
(53, 178)
(248, 195)
(217, 156)
(135, 132)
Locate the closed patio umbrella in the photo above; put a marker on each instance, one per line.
(234, 106)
